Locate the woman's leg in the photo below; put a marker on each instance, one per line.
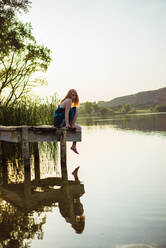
(75, 174)
(74, 148)
(75, 115)
(73, 121)
(78, 128)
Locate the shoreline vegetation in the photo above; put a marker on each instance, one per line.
(40, 111)
(93, 109)
(29, 111)
(33, 110)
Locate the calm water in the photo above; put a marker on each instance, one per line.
(123, 169)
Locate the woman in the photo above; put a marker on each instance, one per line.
(67, 112)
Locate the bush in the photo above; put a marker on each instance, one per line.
(160, 108)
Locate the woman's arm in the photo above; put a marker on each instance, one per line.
(67, 109)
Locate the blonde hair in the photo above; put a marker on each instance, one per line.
(69, 94)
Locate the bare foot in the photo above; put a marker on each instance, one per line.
(74, 149)
(75, 173)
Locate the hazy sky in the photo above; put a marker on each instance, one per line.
(102, 48)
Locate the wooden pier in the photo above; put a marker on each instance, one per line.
(17, 195)
(35, 134)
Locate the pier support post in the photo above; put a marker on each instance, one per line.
(63, 155)
(26, 159)
(36, 161)
(4, 163)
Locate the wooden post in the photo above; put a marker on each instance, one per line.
(26, 158)
(36, 161)
(63, 155)
(4, 163)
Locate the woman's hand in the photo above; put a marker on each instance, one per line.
(73, 125)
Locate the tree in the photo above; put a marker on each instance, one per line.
(17, 68)
(8, 37)
(20, 55)
(17, 228)
(88, 107)
(125, 108)
(104, 111)
(95, 107)
(160, 108)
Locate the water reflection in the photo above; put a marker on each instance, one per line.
(72, 209)
(16, 226)
(11, 154)
(142, 122)
(23, 206)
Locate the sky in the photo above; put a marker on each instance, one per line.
(102, 48)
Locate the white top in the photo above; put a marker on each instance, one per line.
(66, 103)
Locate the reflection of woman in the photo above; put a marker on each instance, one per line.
(79, 223)
(67, 112)
(72, 211)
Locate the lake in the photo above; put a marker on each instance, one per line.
(123, 171)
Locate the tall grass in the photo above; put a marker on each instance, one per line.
(29, 111)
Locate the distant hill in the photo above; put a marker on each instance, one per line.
(145, 98)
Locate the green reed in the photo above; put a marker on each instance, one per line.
(30, 111)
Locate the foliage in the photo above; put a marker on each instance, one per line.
(160, 108)
(92, 108)
(88, 107)
(17, 68)
(105, 111)
(125, 108)
(20, 55)
(9, 38)
(17, 226)
(29, 111)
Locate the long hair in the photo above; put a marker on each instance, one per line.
(69, 94)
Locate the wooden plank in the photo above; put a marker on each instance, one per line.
(7, 128)
(37, 133)
(54, 195)
(52, 181)
(40, 198)
(10, 135)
